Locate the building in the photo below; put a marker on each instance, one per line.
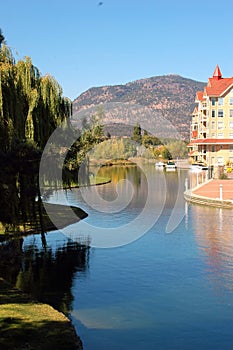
(211, 139)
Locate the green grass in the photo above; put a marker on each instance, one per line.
(99, 180)
(63, 216)
(26, 324)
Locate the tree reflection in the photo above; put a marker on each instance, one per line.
(19, 190)
(44, 273)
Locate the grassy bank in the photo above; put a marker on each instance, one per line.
(26, 324)
(94, 181)
(41, 221)
(110, 162)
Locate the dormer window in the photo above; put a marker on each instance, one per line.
(213, 101)
(220, 101)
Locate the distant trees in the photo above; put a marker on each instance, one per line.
(137, 133)
(114, 149)
(178, 149)
(145, 139)
(165, 153)
(150, 141)
(166, 149)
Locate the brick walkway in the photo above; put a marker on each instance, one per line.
(211, 189)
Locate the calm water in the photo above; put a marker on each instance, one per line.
(172, 288)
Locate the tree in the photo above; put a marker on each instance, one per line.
(1, 38)
(137, 133)
(31, 105)
(150, 141)
(178, 149)
(165, 153)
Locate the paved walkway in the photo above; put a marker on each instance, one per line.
(212, 189)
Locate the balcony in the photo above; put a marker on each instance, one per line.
(194, 134)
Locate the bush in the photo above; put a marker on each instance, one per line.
(223, 176)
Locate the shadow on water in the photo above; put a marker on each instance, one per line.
(44, 273)
(39, 268)
(19, 190)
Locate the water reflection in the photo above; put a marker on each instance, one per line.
(20, 211)
(214, 236)
(45, 273)
(162, 291)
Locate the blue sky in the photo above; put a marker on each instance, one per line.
(84, 45)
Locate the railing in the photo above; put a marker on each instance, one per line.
(197, 179)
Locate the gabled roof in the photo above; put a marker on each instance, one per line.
(195, 110)
(217, 85)
(199, 95)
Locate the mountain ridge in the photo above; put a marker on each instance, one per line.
(170, 98)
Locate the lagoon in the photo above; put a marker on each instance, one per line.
(170, 287)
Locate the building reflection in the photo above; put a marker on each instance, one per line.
(214, 236)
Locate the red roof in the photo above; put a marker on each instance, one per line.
(211, 141)
(195, 110)
(217, 73)
(218, 87)
(199, 95)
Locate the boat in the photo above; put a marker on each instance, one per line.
(170, 166)
(198, 167)
(159, 165)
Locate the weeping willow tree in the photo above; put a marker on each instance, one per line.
(1, 38)
(31, 105)
(31, 108)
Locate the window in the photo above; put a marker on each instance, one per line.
(231, 113)
(220, 161)
(231, 101)
(220, 125)
(213, 101)
(231, 135)
(231, 148)
(220, 134)
(213, 114)
(213, 134)
(213, 125)
(231, 125)
(213, 148)
(220, 113)
(220, 101)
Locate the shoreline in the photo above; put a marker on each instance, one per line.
(27, 228)
(58, 326)
(208, 193)
(65, 327)
(59, 333)
(27, 323)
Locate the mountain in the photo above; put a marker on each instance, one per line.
(162, 105)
